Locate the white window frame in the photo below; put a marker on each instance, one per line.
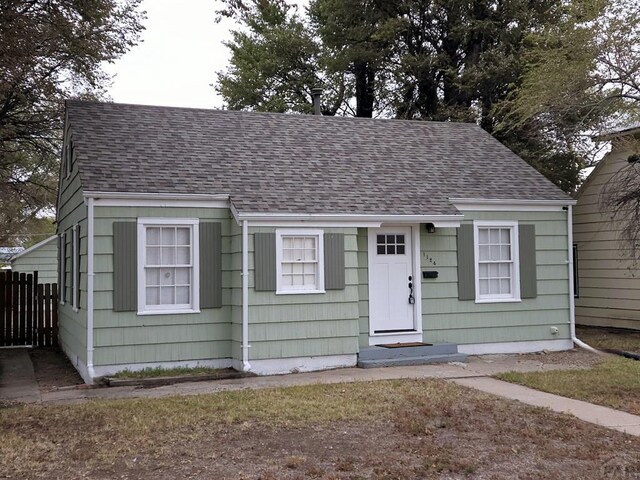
(67, 158)
(515, 255)
(75, 267)
(194, 306)
(63, 266)
(282, 289)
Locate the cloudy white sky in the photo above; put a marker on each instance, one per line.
(178, 59)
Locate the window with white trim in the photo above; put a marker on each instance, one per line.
(168, 271)
(300, 261)
(62, 267)
(75, 266)
(497, 267)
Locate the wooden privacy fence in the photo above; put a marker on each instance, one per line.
(28, 310)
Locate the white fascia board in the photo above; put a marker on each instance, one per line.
(132, 199)
(344, 220)
(33, 247)
(509, 205)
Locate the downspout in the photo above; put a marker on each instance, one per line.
(90, 274)
(246, 366)
(572, 303)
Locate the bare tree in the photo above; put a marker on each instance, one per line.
(620, 197)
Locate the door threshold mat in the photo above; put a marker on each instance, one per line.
(408, 344)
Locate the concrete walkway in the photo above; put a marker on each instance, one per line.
(476, 367)
(17, 383)
(603, 416)
(17, 379)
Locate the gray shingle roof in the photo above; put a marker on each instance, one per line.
(281, 163)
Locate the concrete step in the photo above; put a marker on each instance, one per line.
(419, 360)
(379, 353)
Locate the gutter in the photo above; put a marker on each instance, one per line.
(90, 277)
(572, 301)
(246, 366)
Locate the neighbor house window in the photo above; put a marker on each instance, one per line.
(299, 261)
(168, 265)
(496, 268)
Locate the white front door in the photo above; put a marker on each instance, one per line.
(392, 282)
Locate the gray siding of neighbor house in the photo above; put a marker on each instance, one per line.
(43, 259)
(609, 285)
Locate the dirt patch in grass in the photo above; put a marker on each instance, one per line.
(381, 430)
(53, 369)
(576, 357)
(615, 383)
(626, 340)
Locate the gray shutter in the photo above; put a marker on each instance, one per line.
(264, 259)
(210, 265)
(466, 264)
(125, 265)
(334, 261)
(527, 246)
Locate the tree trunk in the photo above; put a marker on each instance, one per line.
(365, 96)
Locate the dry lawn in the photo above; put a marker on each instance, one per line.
(406, 429)
(625, 340)
(614, 383)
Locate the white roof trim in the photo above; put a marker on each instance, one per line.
(509, 205)
(131, 199)
(33, 247)
(257, 219)
(156, 196)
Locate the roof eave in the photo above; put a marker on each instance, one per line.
(33, 247)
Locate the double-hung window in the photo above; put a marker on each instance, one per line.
(497, 268)
(168, 270)
(300, 261)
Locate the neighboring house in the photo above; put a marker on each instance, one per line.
(608, 286)
(281, 243)
(41, 257)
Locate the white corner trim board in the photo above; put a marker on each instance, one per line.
(516, 347)
(278, 366)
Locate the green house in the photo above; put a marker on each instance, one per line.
(279, 243)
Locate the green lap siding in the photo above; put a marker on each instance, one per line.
(363, 288)
(122, 338)
(303, 325)
(72, 325)
(447, 319)
(281, 326)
